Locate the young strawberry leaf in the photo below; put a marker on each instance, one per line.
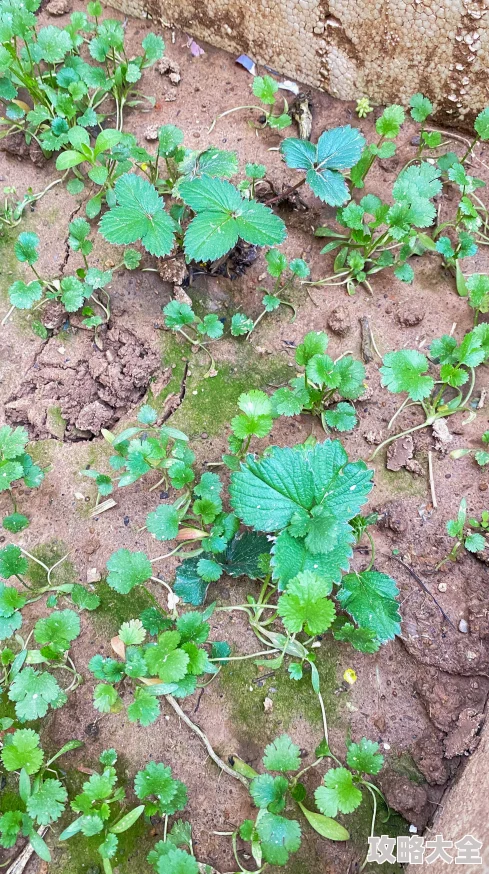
(336, 149)
(127, 569)
(405, 371)
(305, 605)
(338, 793)
(282, 755)
(370, 598)
(256, 418)
(139, 215)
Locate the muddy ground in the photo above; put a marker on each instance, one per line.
(413, 695)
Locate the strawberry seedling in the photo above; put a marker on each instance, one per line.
(265, 88)
(481, 456)
(16, 466)
(471, 534)
(322, 381)
(407, 371)
(39, 801)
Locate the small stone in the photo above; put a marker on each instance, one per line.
(339, 320)
(463, 626)
(411, 314)
(442, 587)
(268, 705)
(204, 435)
(174, 78)
(93, 575)
(79, 496)
(471, 655)
(59, 7)
(483, 487)
(151, 133)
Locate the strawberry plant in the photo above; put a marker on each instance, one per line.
(265, 88)
(170, 665)
(16, 467)
(140, 449)
(321, 383)
(337, 149)
(39, 800)
(101, 805)
(75, 292)
(274, 837)
(66, 90)
(471, 534)
(406, 371)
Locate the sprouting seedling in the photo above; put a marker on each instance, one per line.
(477, 288)
(388, 127)
(254, 174)
(273, 836)
(16, 466)
(101, 806)
(480, 455)
(322, 380)
(481, 127)
(170, 665)
(285, 273)
(180, 317)
(176, 853)
(75, 291)
(143, 448)
(470, 533)
(406, 371)
(265, 88)
(363, 107)
(381, 236)
(39, 799)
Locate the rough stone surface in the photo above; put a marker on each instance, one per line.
(382, 49)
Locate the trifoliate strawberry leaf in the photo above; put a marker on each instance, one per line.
(269, 792)
(336, 149)
(421, 107)
(223, 216)
(256, 419)
(33, 692)
(241, 325)
(278, 837)
(342, 418)
(365, 756)
(128, 569)
(58, 630)
(405, 370)
(370, 598)
(22, 751)
(139, 215)
(15, 522)
(305, 605)
(105, 698)
(23, 296)
(47, 803)
(265, 88)
(132, 633)
(163, 522)
(282, 755)
(389, 123)
(267, 492)
(338, 793)
(145, 708)
(289, 402)
(363, 639)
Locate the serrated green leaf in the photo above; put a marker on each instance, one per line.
(127, 569)
(405, 370)
(338, 793)
(370, 598)
(139, 215)
(282, 755)
(305, 605)
(365, 757)
(278, 837)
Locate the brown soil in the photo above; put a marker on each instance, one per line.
(423, 694)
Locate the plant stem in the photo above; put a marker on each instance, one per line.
(285, 193)
(205, 740)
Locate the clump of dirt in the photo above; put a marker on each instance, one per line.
(73, 391)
